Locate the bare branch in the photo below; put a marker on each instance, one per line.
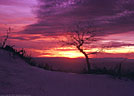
(80, 36)
(6, 38)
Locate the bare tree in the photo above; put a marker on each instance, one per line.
(6, 37)
(82, 36)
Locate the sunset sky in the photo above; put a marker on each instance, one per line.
(38, 25)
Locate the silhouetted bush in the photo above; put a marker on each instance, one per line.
(27, 58)
(114, 72)
(21, 53)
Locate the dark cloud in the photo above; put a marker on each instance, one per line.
(19, 38)
(117, 44)
(54, 16)
(24, 38)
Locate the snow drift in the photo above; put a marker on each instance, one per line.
(19, 78)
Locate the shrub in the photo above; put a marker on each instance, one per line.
(21, 53)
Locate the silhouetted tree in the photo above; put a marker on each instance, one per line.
(80, 36)
(6, 37)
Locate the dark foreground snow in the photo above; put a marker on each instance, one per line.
(19, 78)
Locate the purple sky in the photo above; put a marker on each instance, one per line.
(116, 16)
(40, 21)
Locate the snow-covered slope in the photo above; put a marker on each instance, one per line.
(19, 78)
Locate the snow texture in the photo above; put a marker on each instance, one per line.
(19, 78)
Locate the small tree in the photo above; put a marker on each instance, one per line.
(79, 37)
(6, 37)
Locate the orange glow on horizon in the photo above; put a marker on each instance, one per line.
(68, 54)
(57, 52)
(128, 49)
(71, 52)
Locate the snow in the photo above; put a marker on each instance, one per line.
(19, 78)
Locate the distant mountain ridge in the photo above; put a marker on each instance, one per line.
(78, 64)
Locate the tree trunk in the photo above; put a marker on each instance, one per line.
(87, 59)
